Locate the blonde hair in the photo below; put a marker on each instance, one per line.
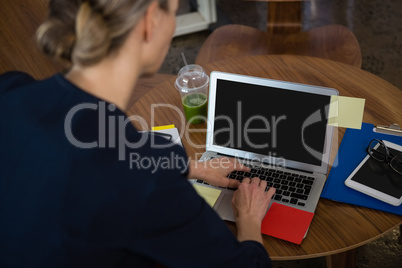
(85, 31)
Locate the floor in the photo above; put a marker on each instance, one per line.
(377, 25)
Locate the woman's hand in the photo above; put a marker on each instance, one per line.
(215, 171)
(250, 204)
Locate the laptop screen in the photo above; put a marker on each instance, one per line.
(270, 121)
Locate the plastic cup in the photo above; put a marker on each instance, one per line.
(192, 83)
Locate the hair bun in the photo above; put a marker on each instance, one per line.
(86, 31)
(56, 39)
(56, 36)
(92, 36)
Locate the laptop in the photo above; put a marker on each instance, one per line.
(278, 129)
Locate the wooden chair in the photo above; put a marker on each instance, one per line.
(334, 42)
(283, 36)
(283, 16)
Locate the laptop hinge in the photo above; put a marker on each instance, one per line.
(265, 163)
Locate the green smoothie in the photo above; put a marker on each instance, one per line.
(195, 105)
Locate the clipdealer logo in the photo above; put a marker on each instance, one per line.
(112, 128)
(115, 126)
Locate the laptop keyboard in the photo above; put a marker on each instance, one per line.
(290, 187)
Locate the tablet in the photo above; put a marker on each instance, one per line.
(377, 179)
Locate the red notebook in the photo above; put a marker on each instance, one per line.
(286, 223)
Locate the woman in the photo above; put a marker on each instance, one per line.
(68, 194)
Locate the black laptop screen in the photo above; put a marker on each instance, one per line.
(269, 121)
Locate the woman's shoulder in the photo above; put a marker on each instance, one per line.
(14, 79)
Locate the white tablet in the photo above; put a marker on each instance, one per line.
(377, 179)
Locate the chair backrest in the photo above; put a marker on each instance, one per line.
(283, 16)
(334, 42)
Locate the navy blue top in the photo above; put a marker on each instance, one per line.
(80, 187)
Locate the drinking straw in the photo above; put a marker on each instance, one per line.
(185, 64)
(184, 58)
(191, 81)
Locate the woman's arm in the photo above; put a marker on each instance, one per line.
(250, 204)
(250, 201)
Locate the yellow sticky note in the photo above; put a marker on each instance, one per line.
(209, 194)
(162, 127)
(346, 112)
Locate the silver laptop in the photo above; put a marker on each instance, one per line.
(278, 129)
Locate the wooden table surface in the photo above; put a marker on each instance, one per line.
(336, 228)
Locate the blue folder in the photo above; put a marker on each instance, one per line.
(351, 152)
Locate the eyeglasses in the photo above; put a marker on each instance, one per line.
(380, 152)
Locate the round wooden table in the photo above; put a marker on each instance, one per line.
(336, 228)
